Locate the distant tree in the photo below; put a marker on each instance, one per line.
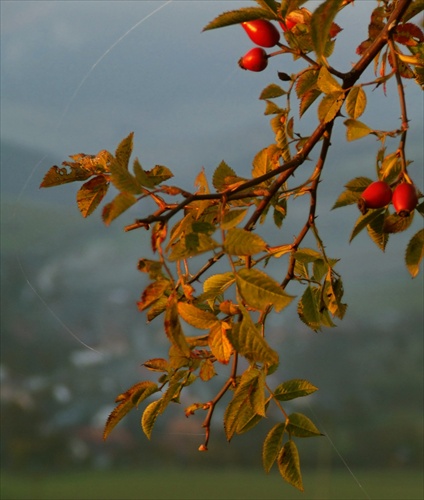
(192, 231)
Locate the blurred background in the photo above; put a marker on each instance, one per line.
(79, 77)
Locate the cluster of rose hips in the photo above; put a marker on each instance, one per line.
(265, 34)
(379, 194)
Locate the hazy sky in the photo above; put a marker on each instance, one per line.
(78, 76)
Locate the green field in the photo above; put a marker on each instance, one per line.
(212, 484)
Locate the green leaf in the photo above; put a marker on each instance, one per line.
(260, 291)
(91, 194)
(191, 245)
(124, 150)
(301, 426)
(307, 99)
(121, 203)
(356, 102)
(307, 255)
(266, 160)
(364, 220)
(415, 253)
(199, 318)
(377, 232)
(334, 294)
(307, 81)
(233, 218)
(327, 83)
(309, 307)
(390, 167)
(242, 408)
(322, 19)
(123, 180)
(223, 177)
(272, 446)
(218, 283)
(239, 16)
(248, 341)
(174, 331)
(159, 174)
(356, 129)
(292, 389)
(241, 242)
(271, 5)
(289, 465)
(149, 417)
(329, 106)
(272, 91)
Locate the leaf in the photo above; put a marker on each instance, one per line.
(265, 160)
(292, 389)
(307, 99)
(394, 223)
(271, 5)
(218, 283)
(152, 293)
(124, 150)
(157, 365)
(174, 331)
(91, 194)
(207, 370)
(353, 193)
(356, 102)
(223, 176)
(219, 344)
(309, 308)
(241, 242)
(322, 19)
(240, 410)
(149, 417)
(390, 168)
(289, 465)
(131, 398)
(272, 446)
(327, 83)
(70, 172)
(329, 106)
(415, 253)
(356, 130)
(233, 218)
(364, 220)
(260, 291)
(191, 245)
(247, 340)
(196, 317)
(301, 426)
(239, 16)
(159, 174)
(271, 92)
(121, 203)
(307, 81)
(377, 232)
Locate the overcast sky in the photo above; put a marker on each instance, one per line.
(78, 76)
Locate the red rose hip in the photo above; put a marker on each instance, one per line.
(377, 195)
(262, 32)
(405, 199)
(254, 60)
